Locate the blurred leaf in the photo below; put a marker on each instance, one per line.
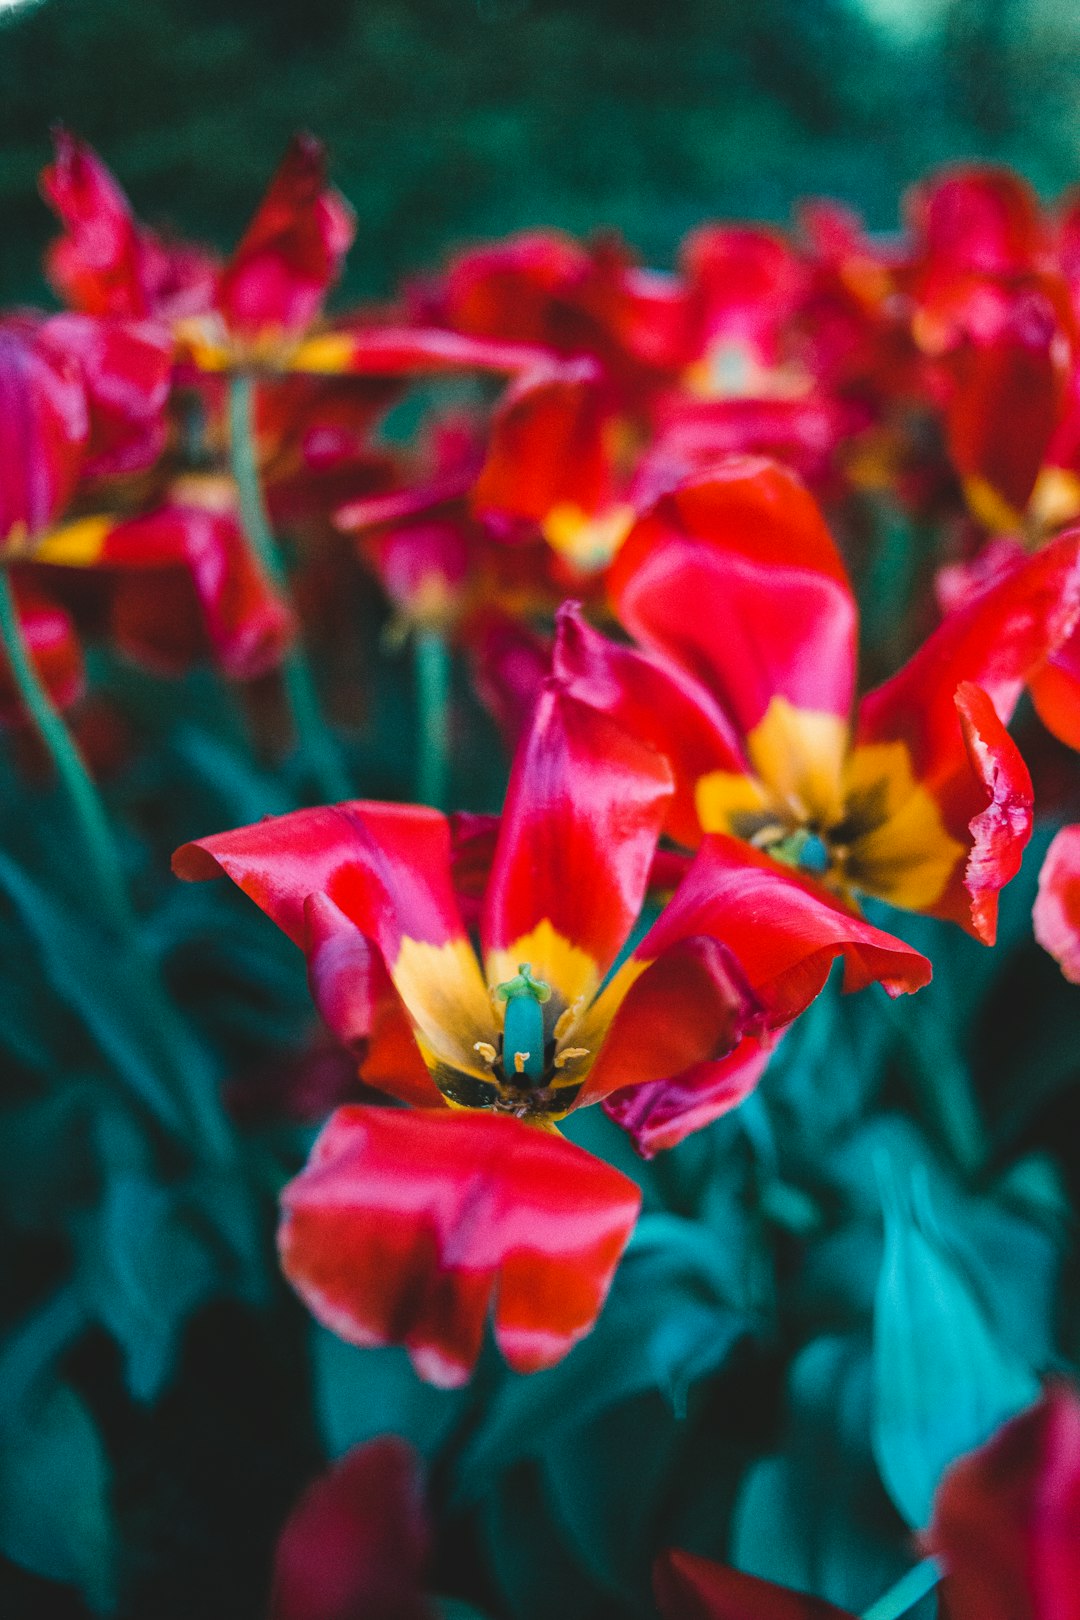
(672, 1319)
(943, 1382)
(363, 1393)
(815, 1517)
(94, 981)
(608, 1505)
(54, 1498)
(144, 1268)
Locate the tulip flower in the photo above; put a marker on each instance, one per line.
(733, 585)
(404, 1225)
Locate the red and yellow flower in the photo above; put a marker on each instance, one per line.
(919, 797)
(404, 1225)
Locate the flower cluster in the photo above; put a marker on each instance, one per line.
(655, 516)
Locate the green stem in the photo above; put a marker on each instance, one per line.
(103, 868)
(312, 736)
(179, 1052)
(906, 1593)
(432, 660)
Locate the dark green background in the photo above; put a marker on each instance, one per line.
(455, 118)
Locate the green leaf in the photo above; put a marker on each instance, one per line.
(54, 1498)
(676, 1312)
(943, 1380)
(815, 1517)
(96, 985)
(144, 1268)
(362, 1393)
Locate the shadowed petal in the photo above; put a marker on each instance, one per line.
(356, 1545)
(1057, 909)
(691, 1588)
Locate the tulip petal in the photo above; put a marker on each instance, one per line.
(691, 1588)
(292, 252)
(660, 1115)
(357, 1542)
(44, 429)
(656, 702)
(998, 639)
(735, 576)
(386, 868)
(1056, 914)
(583, 813)
(357, 1001)
(404, 1227)
(1006, 1521)
(688, 1008)
(783, 931)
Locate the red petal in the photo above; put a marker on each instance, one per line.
(686, 1010)
(1000, 831)
(549, 446)
(54, 650)
(291, 253)
(357, 1543)
(411, 351)
(356, 999)
(659, 1116)
(96, 265)
(654, 701)
(1008, 401)
(783, 931)
(404, 1226)
(44, 428)
(385, 866)
(509, 664)
(1055, 692)
(583, 813)
(1006, 1520)
(248, 625)
(126, 367)
(691, 1588)
(998, 640)
(1057, 910)
(977, 217)
(736, 578)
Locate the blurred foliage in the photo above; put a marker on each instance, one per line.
(450, 119)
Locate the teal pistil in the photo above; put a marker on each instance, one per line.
(523, 1028)
(804, 850)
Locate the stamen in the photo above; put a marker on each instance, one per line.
(566, 1020)
(486, 1051)
(568, 1054)
(520, 1060)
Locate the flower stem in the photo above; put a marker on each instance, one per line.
(178, 1051)
(103, 868)
(312, 735)
(432, 662)
(906, 1593)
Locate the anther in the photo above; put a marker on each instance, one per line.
(486, 1051)
(568, 1054)
(520, 1060)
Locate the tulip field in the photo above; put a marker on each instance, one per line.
(540, 907)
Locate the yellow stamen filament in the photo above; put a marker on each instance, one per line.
(520, 1060)
(567, 1020)
(568, 1055)
(486, 1051)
